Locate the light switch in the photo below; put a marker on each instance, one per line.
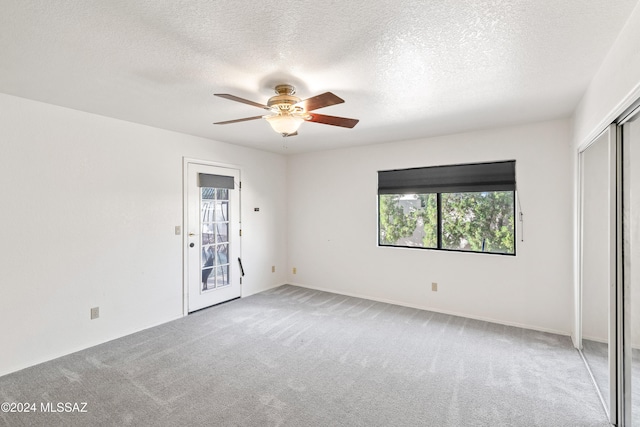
(178, 230)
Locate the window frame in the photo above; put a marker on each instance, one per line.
(439, 220)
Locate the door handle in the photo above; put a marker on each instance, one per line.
(241, 269)
(192, 234)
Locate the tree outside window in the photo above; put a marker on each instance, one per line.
(470, 221)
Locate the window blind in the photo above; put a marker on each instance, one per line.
(215, 181)
(495, 176)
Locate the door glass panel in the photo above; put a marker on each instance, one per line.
(208, 235)
(222, 275)
(215, 237)
(222, 211)
(222, 194)
(222, 232)
(222, 252)
(207, 256)
(208, 280)
(207, 210)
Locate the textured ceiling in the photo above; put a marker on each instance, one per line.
(406, 69)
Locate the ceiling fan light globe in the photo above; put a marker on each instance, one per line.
(285, 124)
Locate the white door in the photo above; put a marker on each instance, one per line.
(212, 235)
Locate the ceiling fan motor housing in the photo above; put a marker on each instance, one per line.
(284, 99)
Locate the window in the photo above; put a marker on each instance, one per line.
(459, 207)
(214, 227)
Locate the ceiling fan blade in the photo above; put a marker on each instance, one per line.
(320, 101)
(238, 120)
(333, 120)
(244, 101)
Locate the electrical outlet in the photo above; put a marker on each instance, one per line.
(273, 268)
(434, 286)
(295, 270)
(95, 313)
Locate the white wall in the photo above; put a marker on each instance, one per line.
(89, 206)
(613, 89)
(333, 229)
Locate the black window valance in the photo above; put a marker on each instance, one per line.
(495, 176)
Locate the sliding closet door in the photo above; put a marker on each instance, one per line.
(598, 264)
(631, 269)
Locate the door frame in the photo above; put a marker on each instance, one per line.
(186, 161)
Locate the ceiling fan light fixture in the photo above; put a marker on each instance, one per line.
(287, 112)
(285, 124)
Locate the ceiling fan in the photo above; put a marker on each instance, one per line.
(287, 112)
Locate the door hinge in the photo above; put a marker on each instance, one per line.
(240, 233)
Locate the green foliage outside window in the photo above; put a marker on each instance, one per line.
(479, 221)
(394, 222)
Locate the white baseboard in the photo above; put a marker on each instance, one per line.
(248, 294)
(435, 310)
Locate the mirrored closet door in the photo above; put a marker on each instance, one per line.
(598, 263)
(630, 386)
(609, 236)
